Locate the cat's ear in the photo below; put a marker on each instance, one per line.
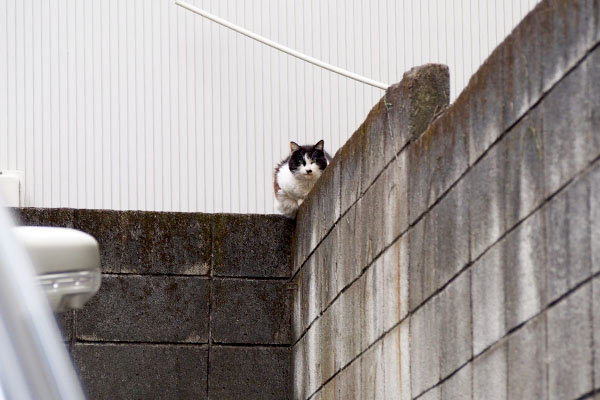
(294, 147)
(319, 145)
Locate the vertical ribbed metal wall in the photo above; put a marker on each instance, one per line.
(140, 104)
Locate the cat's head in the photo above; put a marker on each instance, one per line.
(307, 161)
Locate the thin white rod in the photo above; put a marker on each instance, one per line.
(282, 48)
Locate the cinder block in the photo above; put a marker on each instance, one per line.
(439, 246)
(349, 382)
(594, 178)
(134, 308)
(374, 130)
(316, 221)
(348, 266)
(252, 245)
(347, 312)
(326, 350)
(525, 270)
(395, 283)
(65, 324)
(372, 372)
(392, 360)
(454, 314)
(570, 29)
(299, 370)
(490, 374)
(329, 390)
(425, 347)
(329, 199)
(299, 306)
(149, 242)
(570, 371)
(596, 329)
(450, 228)
(298, 244)
(327, 265)
(458, 386)
(116, 241)
(524, 170)
(313, 350)
(485, 99)
(523, 65)
(318, 395)
(412, 103)
(181, 243)
(436, 160)
(570, 140)
(421, 275)
(371, 207)
(128, 371)
(32, 216)
(395, 198)
(568, 240)
(250, 311)
(396, 362)
(527, 368)
(485, 184)
(259, 373)
(372, 296)
(350, 164)
(487, 288)
(312, 282)
(432, 394)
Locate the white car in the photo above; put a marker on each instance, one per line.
(34, 363)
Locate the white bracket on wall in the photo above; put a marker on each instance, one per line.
(12, 188)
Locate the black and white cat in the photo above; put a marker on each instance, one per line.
(295, 176)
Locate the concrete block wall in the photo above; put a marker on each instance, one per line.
(457, 255)
(192, 306)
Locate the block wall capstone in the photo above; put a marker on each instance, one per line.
(191, 306)
(453, 252)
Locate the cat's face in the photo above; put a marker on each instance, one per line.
(307, 162)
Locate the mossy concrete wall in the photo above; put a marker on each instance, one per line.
(457, 256)
(192, 306)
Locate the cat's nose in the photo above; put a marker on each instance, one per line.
(308, 171)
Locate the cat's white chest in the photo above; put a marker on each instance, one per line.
(293, 186)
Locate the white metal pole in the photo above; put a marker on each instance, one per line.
(280, 47)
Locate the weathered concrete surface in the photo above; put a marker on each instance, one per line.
(454, 313)
(527, 355)
(459, 386)
(439, 246)
(147, 309)
(139, 371)
(570, 362)
(252, 246)
(525, 271)
(250, 311)
(402, 114)
(475, 232)
(260, 373)
(137, 242)
(424, 348)
(490, 374)
(174, 286)
(487, 294)
(65, 323)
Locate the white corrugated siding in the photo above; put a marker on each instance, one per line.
(140, 104)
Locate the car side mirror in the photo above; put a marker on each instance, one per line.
(67, 263)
